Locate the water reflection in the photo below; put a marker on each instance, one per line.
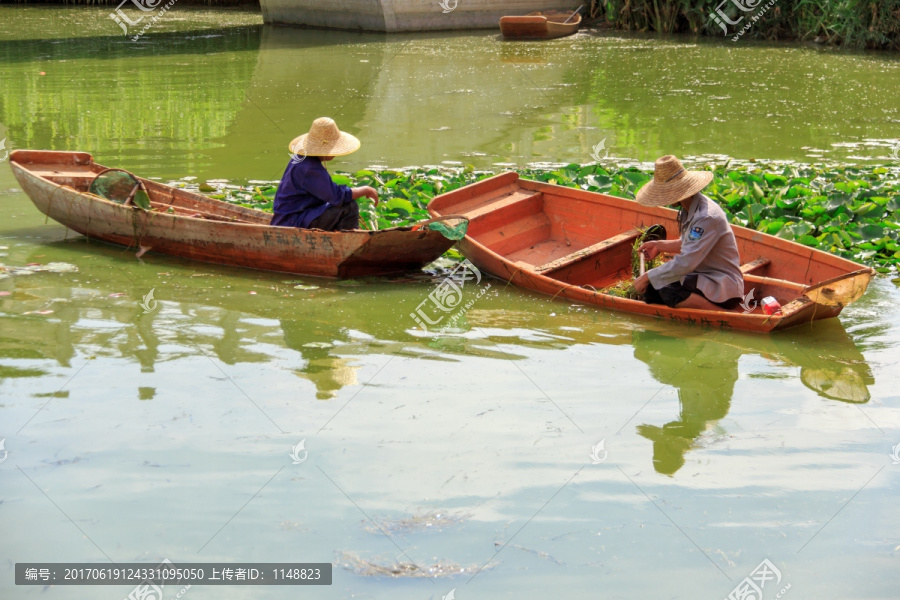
(147, 106)
(323, 330)
(223, 100)
(705, 370)
(329, 373)
(446, 96)
(705, 386)
(472, 98)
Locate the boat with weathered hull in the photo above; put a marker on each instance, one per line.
(574, 244)
(540, 25)
(190, 225)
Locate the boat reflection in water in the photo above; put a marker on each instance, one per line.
(829, 362)
(324, 332)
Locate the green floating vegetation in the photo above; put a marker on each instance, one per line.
(845, 210)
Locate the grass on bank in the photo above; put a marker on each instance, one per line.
(850, 23)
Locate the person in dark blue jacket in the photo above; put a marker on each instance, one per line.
(307, 197)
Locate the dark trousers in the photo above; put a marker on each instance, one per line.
(675, 293)
(338, 218)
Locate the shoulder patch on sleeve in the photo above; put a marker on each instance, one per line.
(695, 234)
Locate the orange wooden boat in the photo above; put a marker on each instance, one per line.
(573, 244)
(190, 225)
(540, 25)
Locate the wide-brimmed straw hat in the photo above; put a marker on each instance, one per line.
(672, 183)
(324, 139)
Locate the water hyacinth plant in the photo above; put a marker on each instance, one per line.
(849, 211)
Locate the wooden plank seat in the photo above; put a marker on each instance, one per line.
(500, 203)
(75, 178)
(64, 170)
(754, 266)
(511, 219)
(749, 269)
(628, 237)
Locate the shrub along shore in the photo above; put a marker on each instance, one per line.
(849, 23)
(845, 210)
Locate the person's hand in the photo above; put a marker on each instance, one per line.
(649, 249)
(367, 192)
(642, 283)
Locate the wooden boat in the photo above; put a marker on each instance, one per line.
(190, 225)
(540, 25)
(573, 244)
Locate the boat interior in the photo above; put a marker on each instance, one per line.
(163, 198)
(581, 242)
(558, 16)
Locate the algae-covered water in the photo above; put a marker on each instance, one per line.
(540, 449)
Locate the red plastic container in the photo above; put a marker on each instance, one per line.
(770, 305)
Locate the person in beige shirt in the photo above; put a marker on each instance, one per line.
(706, 271)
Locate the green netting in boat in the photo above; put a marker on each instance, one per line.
(119, 186)
(451, 232)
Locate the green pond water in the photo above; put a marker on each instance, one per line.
(548, 449)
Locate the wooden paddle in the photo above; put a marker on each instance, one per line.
(577, 10)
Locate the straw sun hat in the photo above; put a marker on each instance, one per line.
(672, 183)
(324, 139)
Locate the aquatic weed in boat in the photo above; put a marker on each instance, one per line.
(625, 287)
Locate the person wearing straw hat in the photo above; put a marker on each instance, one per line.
(706, 270)
(307, 197)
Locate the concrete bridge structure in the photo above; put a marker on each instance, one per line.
(402, 15)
